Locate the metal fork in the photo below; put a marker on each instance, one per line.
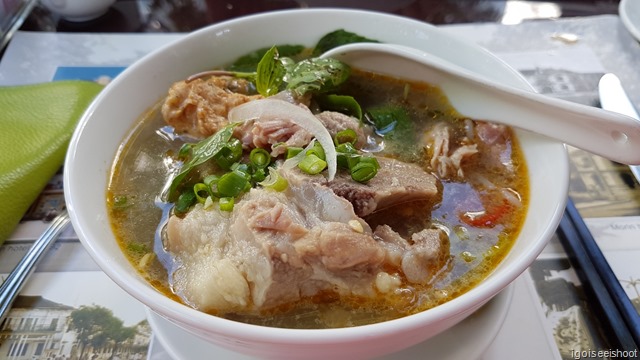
(17, 278)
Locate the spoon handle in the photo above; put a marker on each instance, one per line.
(17, 278)
(605, 133)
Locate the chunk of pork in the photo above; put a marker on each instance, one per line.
(278, 247)
(336, 122)
(200, 107)
(280, 133)
(283, 246)
(447, 162)
(421, 258)
(276, 134)
(396, 182)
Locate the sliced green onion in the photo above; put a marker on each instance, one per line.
(225, 158)
(363, 171)
(211, 180)
(347, 155)
(229, 154)
(346, 148)
(312, 164)
(243, 168)
(371, 160)
(226, 203)
(348, 161)
(232, 184)
(317, 150)
(293, 151)
(260, 158)
(185, 200)
(345, 136)
(201, 191)
(259, 175)
(274, 181)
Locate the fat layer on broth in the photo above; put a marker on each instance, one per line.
(474, 212)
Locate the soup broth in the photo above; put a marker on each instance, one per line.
(481, 210)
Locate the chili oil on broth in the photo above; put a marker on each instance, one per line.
(144, 165)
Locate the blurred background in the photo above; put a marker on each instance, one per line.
(188, 15)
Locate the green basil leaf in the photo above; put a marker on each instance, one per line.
(201, 152)
(341, 103)
(337, 38)
(270, 73)
(249, 62)
(317, 75)
(390, 121)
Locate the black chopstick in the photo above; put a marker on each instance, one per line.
(617, 314)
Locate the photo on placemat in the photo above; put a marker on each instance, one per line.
(563, 301)
(74, 316)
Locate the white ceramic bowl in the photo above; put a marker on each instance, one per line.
(120, 104)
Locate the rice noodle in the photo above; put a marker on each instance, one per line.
(272, 108)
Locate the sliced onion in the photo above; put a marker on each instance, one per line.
(272, 108)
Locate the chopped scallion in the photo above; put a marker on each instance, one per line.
(293, 151)
(226, 203)
(259, 175)
(371, 160)
(211, 181)
(185, 200)
(317, 150)
(312, 164)
(260, 158)
(347, 155)
(243, 168)
(345, 136)
(229, 154)
(201, 191)
(274, 181)
(363, 171)
(232, 183)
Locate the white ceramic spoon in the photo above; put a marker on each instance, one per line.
(608, 134)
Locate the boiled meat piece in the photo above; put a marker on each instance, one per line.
(421, 257)
(336, 122)
(282, 246)
(397, 182)
(280, 133)
(275, 248)
(200, 107)
(446, 158)
(275, 133)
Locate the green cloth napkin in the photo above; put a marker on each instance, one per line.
(36, 123)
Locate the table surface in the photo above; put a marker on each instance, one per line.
(596, 186)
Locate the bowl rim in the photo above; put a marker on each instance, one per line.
(171, 309)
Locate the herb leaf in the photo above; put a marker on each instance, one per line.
(341, 103)
(317, 75)
(337, 38)
(390, 121)
(249, 62)
(270, 73)
(201, 152)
